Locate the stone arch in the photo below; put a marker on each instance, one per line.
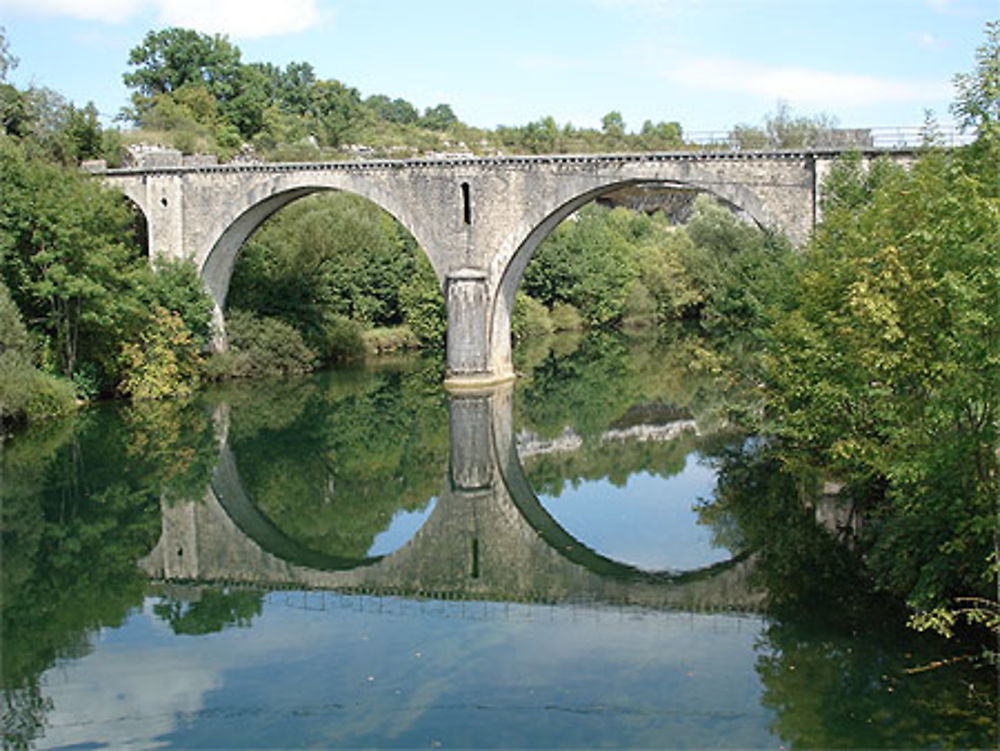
(510, 268)
(216, 268)
(142, 222)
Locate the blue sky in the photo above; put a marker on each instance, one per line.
(708, 64)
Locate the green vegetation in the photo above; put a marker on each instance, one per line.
(334, 265)
(616, 267)
(881, 363)
(94, 305)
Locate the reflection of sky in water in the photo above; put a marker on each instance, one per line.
(403, 526)
(650, 523)
(326, 670)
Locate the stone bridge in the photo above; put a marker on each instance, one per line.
(488, 538)
(478, 219)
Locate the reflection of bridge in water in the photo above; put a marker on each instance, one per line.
(488, 539)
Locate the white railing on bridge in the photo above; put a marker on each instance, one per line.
(888, 137)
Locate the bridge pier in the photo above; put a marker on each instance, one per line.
(468, 300)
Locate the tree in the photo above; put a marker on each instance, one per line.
(336, 110)
(613, 125)
(293, 87)
(661, 135)
(7, 60)
(885, 371)
(977, 104)
(67, 255)
(440, 117)
(397, 111)
(64, 255)
(168, 59)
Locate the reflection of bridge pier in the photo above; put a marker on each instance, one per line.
(488, 538)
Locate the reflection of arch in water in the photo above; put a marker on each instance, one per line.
(488, 538)
(234, 499)
(482, 449)
(571, 548)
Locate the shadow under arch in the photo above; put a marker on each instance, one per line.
(733, 196)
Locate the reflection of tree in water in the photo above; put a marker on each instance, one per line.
(610, 382)
(609, 376)
(832, 687)
(212, 610)
(833, 661)
(332, 476)
(78, 509)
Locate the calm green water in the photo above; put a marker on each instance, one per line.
(356, 559)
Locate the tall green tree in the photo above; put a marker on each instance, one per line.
(885, 371)
(65, 256)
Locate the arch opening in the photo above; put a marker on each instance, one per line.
(638, 195)
(332, 264)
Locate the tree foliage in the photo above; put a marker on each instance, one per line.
(885, 370)
(68, 256)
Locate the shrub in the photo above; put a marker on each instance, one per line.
(390, 339)
(51, 396)
(26, 393)
(423, 305)
(263, 346)
(640, 306)
(338, 338)
(163, 361)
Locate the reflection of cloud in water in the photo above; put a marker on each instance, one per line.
(329, 670)
(402, 527)
(125, 693)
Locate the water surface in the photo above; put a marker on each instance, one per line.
(357, 560)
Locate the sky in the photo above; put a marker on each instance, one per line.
(708, 64)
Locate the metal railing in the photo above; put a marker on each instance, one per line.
(886, 137)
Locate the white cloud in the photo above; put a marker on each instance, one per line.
(240, 19)
(802, 85)
(929, 41)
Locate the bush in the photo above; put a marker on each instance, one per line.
(26, 393)
(423, 305)
(390, 339)
(51, 396)
(640, 306)
(163, 361)
(338, 338)
(259, 347)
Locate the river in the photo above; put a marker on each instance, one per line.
(357, 559)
